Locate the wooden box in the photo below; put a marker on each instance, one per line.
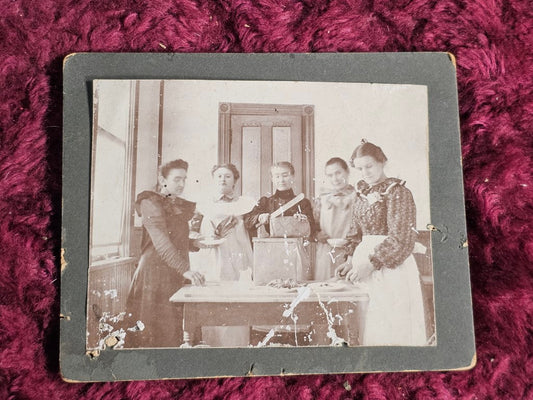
(282, 258)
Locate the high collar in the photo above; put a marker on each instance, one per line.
(364, 188)
(284, 194)
(221, 197)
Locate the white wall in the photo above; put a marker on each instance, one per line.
(147, 135)
(392, 116)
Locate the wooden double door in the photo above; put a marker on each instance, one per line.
(255, 136)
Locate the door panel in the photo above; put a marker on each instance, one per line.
(250, 167)
(254, 135)
(258, 141)
(281, 143)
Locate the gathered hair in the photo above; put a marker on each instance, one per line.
(174, 164)
(368, 149)
(340, 161)
(229, 166)
(284, 164)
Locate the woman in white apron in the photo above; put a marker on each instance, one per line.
(382, 238)
(231, 254)
(228, 257)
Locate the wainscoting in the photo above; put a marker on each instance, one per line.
(109, 283)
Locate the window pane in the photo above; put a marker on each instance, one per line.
(281, 143)
(113, 109)
(108, 190)
(251, 161)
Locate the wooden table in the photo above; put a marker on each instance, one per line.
(337, 308)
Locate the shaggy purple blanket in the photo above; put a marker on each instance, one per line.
(493, 43)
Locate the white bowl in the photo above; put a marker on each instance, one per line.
(212, 241)
(338, 242)
(194, 235)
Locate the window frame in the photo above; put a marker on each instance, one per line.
(121, 249)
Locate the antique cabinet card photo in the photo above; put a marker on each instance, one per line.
(245, 214)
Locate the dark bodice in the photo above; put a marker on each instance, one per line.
(165, 237)
(164, 259)
(272, 203)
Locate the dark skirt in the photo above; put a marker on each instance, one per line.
(148, 301)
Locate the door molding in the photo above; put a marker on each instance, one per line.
(305, 111)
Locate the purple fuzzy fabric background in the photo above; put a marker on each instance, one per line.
(493, 43)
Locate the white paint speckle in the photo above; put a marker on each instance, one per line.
(112, 293)
(267, 338)
(332, 334)
(303, 293)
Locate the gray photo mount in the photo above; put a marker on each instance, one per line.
(455, 348)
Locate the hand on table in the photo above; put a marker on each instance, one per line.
(342, 270)
(360, 272)
(195, 277)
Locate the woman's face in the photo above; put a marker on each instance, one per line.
(370, 169)
(174, 182)
(224, 180)
(282, 178)
(337, 176)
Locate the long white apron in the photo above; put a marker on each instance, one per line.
(395, 314)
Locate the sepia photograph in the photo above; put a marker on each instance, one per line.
(235, 213)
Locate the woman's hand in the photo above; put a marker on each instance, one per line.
(225, 227)
(195, 277)
(300, 217)
(322, 237)
(198, 243)
(360, 272)
(342, 270)
(263, 218)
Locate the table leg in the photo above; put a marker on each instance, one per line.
(191, 325)
(361, 320)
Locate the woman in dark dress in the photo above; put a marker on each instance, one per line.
(164, 263)
(282, 174)
(383, 232)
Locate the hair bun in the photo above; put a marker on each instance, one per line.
(368, 149)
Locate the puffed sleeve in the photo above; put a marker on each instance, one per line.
(401, 223)
(154, 221)
(251, 219)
